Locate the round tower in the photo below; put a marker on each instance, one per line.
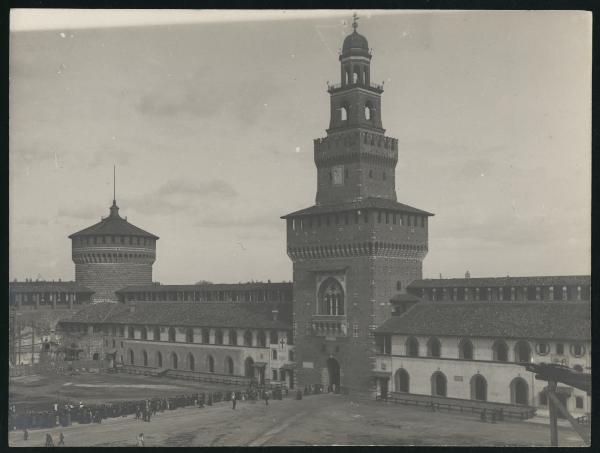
(111, 255)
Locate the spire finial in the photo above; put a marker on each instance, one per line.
(114, 184)
(355, 21)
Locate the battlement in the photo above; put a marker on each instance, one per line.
(354, 145)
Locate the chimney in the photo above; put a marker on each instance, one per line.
(467, 274)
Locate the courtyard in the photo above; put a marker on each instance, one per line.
(326, 419)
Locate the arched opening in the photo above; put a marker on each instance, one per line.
(438, 384)
(331, 298)
(228, 365)
(157, 334)
(144, 333)
(210, 364)
(519, 391)
(130, 332)
(233, 337)
(96, 356)
(333, 367)
(191, 362)
(145, 358)
(218, 336)
(247, 338)
(189, 335)
(174, 360)
(261, 339)
(368, 113)
(500, 351)
(402, 381)
(465, 349)
(131, 357)
(522, 352)
(343, 114)
(434, 347)
(249, 367)
(478, 388)
(159, 362)
(355, 76)
(412, 347)
(172, 334)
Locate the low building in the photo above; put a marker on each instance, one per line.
(476, 350)
(567, 287)
(229, 339)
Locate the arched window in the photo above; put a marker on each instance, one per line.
(355, 76)
(368, 113)
(273, 339)
(542, 348)
(174, 360)
(522, 352)
(331, 298)
(247, 338)
(465, 349)
(412, 347)
(189, 335)
(145, 358)
(434, 347)
(218, 336)
(205, 336)
(519, 391)
(233, 337)
(343, 114)
(210, 364)
(500, 351)
(402, 380)
(131, 357)
(191, 362)
(478, 388)
(228, 365)
(438, 384)
(130, 332)
(577, 349)
(157, 334)
(261, 339)
(159, 363)
(96, 356)
(144, 333)
(172, 334)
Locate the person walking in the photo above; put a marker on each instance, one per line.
(61, 440)
(25, 434)
(140, 440)
(233, 400)
(49, 441)
(266, 398)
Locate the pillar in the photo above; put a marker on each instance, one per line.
(36, 298)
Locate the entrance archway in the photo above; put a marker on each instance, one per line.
(249, 367)
(478, 388)
(438, 384)
(519, 391)
(402, 381)
(333, 367)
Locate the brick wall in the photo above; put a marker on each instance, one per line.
(105, 278)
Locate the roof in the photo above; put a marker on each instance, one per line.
(367, 203)
(185, 314)
(405, 298)
(207, 287)
(114, 224)
(355, 41)
(566, 280)
(536, 320)
(47, 287)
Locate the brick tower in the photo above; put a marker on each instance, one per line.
(112, 254)
(357, 246)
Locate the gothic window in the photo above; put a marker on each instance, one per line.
(261, 339)
(465, 349)
(218, 337)
(205, 336)
(355, 76)
(478, 388)
(500, 351)
(565, 293)
(189, 335)
(522, 352)
(368, 113)
(157, 334)
(171, 334)
(130, 332)
(577, 349)
(412, 347)
(144, 333)
(233, 337)
(331, 298)
(247, 338)
(434, 347)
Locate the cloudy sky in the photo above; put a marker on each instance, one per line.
(210, 118)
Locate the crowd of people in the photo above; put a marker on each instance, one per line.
(65, 414)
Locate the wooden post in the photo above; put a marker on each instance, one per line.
(553, 416)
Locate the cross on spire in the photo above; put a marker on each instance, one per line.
(355, 21)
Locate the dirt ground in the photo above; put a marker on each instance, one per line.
(315, 420)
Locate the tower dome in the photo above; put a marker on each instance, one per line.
(355, 42)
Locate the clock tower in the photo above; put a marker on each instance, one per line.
(357, 246)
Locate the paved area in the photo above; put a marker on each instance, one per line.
(315, 420)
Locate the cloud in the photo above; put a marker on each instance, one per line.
(108, 157)
(84, 212)
(31, 221)
(213, 187)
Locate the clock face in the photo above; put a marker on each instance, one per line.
(338, 175)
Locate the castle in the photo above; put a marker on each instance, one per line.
(357, 316)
